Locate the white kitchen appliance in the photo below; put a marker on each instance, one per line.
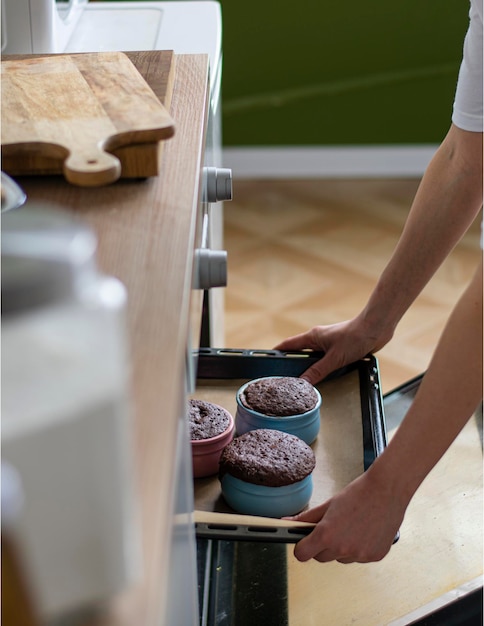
(38, 26)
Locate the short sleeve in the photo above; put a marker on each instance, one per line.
(467, 112)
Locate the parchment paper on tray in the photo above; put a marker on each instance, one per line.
(338, 447)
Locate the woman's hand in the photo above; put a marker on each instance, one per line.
(342, 344)
(358, 524)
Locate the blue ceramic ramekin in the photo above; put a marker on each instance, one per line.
(251, 499)
(305, 425)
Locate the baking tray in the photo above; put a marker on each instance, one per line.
(352, 435)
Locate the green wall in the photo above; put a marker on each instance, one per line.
(315, 72)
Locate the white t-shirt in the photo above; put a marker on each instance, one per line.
(467, 113)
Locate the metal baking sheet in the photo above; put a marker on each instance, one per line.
(352, 431)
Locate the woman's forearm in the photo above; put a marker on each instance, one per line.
(448, 395)
(447, 201)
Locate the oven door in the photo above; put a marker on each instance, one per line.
(246, 579)
(236, 564)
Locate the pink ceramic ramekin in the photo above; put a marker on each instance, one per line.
(206, 452)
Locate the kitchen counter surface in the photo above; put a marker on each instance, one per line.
(146, 231)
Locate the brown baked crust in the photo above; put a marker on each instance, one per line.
(279, 397)
(206, 419)
(267, 457)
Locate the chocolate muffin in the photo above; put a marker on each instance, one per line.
(267, 457)
(279, 396)
(206, 419)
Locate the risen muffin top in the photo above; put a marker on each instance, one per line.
(207, 419)
(279, 397)
(267, 457)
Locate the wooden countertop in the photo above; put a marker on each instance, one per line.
(146, 231)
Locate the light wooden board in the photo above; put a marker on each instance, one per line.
(77, 110)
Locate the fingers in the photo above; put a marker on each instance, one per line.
(318, 372)
(309, 547)
(331, 340)
(311, 515)
(330, 362)
(317, 546)
(347, 532)
(323, 545)
(303, 341)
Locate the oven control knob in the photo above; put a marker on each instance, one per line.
(210, 268)
(217, 184)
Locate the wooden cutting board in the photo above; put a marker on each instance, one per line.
(77, 110)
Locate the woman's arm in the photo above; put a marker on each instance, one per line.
(447, 201)
(360, 522)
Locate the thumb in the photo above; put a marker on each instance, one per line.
(310, 515)
(309, 546)
(322, 368)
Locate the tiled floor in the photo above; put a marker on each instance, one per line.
(303, 253)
